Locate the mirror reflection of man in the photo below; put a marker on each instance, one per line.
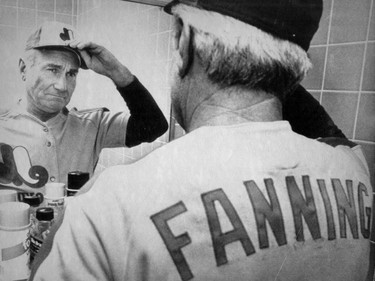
(55, 139)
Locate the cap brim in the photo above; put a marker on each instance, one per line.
(82, 63)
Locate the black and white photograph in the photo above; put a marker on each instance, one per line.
(177, 140)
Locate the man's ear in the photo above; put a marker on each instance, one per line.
(22, 68)
(183, 44)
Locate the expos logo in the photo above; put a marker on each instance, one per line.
(67, 34)
(16, 168)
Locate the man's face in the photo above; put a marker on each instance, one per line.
(51, 79)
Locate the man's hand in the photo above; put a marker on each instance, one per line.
(102, 61)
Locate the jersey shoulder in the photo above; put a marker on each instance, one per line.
(75, 111)
(4, 112)
(7, 113)
(87, 116)
(348, 146)
(90, 113)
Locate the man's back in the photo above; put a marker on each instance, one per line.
(247, 202)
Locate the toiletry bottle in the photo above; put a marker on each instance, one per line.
(76, 180)
(55, 197)
(40, 230)
(14, 241)
(34, 201)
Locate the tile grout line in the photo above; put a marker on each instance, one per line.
(326, 52)
(365, 142)
(157, 36)
(54, 10)
(36, 13)
(342, 43)
(343, 91)
(363, 69)
(72, 12)
(18, 18)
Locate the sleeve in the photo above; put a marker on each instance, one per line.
(111, 129)
(146, 121)
(307, 117)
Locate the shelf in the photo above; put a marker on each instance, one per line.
(160, 3)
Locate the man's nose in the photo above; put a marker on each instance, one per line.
(61, 83)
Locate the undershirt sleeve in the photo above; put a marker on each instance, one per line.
(146, 121)
(307, 117)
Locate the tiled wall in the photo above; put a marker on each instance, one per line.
(343, 77)
(343, 52)
(139, 36)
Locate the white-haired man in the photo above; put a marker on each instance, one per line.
(241, 196)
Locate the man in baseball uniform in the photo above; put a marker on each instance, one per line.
(40, 140)
(240, 196)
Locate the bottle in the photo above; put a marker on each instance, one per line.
(40, 230)
(14, 242)
(34, 201)
(55, 197)
(76, 180)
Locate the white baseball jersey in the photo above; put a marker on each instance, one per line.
(248, 202)
(35, 152)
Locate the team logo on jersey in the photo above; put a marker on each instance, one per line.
(17, 170)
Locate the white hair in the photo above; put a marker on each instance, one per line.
(237, 54)
(30, 56)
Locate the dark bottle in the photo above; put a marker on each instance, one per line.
(76, 180)
(34, 201)
(40, 229)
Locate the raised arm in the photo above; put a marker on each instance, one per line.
(147, 121)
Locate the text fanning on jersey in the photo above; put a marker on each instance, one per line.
(347, 216)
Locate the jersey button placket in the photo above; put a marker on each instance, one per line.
(48, 143)
(51, 153)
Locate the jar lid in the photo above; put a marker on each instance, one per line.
(77, 179)
(32, 200)
(14, 214)
(7, 195)
(55, 189)
(44, 214)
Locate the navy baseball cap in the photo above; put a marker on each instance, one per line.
(292, 20)
(55, 36)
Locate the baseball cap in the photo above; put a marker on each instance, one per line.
(55, 36)
(292, 20)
